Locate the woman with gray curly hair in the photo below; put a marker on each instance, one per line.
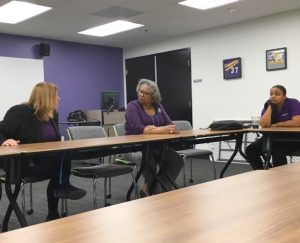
(147, 116)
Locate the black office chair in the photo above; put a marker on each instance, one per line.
(193, 153)
(126, 159)
(119, 130)
(101, 170)
(26, 180)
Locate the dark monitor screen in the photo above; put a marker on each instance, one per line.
(109, 100)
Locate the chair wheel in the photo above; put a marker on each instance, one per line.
(64, 214)
(107, 204)
(29, 211)
(191, 181)
(108, 196)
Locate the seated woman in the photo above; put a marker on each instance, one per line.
(147, 116)
(37, 121)
(278, 111)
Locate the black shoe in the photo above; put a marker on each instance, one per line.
(69, 192)
(52, 217)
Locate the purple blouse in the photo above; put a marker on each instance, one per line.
(137, 119)
(290, 108)
(48, 133)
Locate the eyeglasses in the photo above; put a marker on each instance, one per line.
(144, 92)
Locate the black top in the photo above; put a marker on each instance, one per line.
(20, 123)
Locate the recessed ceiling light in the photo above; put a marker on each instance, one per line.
(16, 11)
(111, 28)
(206, 4)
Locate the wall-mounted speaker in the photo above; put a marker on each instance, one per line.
(44, 49)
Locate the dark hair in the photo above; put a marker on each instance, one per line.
(283, 89)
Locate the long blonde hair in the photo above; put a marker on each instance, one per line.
(43, 100)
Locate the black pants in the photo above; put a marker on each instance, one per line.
(279, 151)
(57, 168)
(171, 165)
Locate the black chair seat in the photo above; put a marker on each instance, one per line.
(105, 171)
(102, 171)
(192, 152)
(195, 153)
(26, 179)
(32, 179)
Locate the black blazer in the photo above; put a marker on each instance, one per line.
(20, 123)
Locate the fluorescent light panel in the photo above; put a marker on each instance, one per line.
(206, 4)
(111, 28)
(16, 11)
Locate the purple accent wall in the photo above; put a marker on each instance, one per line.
(81, 71)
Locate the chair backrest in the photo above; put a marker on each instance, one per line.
(182, 125)
(119, 129)
(82, 132)
(126, 158)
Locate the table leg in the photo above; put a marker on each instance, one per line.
(267, 150)
(174, 184)
(13, 195)
(145, 156)
(145, 159)
(238, 148)
(164, 172)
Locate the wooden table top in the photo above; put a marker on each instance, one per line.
(129, 139)
(105, 142)
(9, 151)
(84, 143)
(93, 143)
(293, 167)
(258, 206)
(274, 130)
(208, 133)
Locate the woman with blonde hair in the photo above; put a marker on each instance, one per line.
(37, 121)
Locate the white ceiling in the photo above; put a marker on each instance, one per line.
(161, 19)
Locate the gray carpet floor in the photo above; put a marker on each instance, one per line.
(202, 172)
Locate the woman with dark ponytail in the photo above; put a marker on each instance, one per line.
(278, 111)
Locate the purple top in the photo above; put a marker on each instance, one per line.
(137, 119)
(48, 133)
(290, 108)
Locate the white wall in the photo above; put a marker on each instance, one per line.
(18, 76)
(216, 98)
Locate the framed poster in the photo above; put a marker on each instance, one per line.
(276, 59)
(232, 68)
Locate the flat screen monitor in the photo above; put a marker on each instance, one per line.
(110, 100)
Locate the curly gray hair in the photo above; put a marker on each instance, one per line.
(155, 93)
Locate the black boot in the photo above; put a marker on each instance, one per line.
(52, 217)
(69, 192)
